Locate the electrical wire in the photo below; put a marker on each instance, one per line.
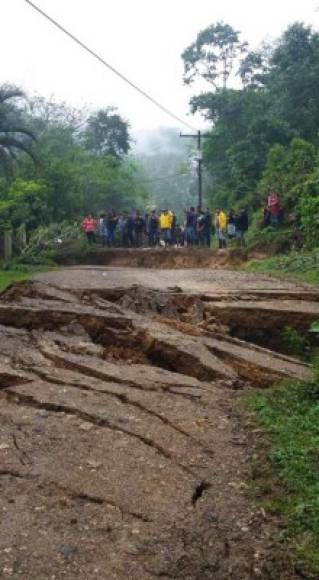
(110, 67)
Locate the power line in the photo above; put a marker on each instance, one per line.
(109, 66)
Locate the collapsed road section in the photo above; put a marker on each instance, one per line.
(121, 450)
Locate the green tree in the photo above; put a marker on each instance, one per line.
(25, 202)
(107, 134)
(81, 166)
(293, 80)
(213, 55)
(243, 132)
(254, 67)
(15, 137)
(287, 170)
(264, 134)
(308, 209)
(44, 113)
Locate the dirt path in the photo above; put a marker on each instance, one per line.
(122, 450)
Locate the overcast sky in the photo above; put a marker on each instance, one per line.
(142, 38)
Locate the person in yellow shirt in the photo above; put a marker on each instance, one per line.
(221, 228)
(165, 222)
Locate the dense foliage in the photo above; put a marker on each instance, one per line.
(14, 133)
(289, 415)
(264, 111)
(57, 163)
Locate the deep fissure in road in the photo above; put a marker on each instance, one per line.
(127, 397)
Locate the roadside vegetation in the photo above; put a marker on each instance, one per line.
(262, 138)
(287, 468)
(289, 416)
(298, 264)
(58, 163)
(15, 274)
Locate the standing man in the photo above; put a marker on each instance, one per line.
(130, 230)
(200, 228)
(153, 227)
(111, 223)
(221, 228)
(173, 229)
(147, 229)
(139, 229)
(190, 227)
(165, 220)
(231, 224)
(208, 227)
(101, 227)
(122, 224)
(241, 227)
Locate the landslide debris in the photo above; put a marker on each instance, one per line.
(121, 453)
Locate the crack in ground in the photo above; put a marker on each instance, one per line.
(199, 490)
(193, 550)
(95, 373)
(83, 496)
(8, 380)
(29, 401)
(126, 401)
(11, 473)
(24, 457)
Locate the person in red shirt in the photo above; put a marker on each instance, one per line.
(273, 206)
(88, 225)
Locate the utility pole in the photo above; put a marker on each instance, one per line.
(199, 138)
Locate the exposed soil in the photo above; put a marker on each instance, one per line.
(123, 454)
(153, 257)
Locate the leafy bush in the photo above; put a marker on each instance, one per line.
(304, 265)
(290, 416)
(269, 240)
(23, 202)
(45, 241)
(295, 343)
(309, 215)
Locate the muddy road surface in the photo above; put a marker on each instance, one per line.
(123, 451)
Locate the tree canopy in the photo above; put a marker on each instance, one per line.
(264, 112)
(213, 54)
(81, 163)
(107, 134)
(15, 136)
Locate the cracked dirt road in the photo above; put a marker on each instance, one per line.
(122, 450)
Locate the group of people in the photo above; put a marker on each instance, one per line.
(231, 227)
(134, 230)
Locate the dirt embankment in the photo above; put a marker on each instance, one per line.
(122, 453)
(153, 258)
